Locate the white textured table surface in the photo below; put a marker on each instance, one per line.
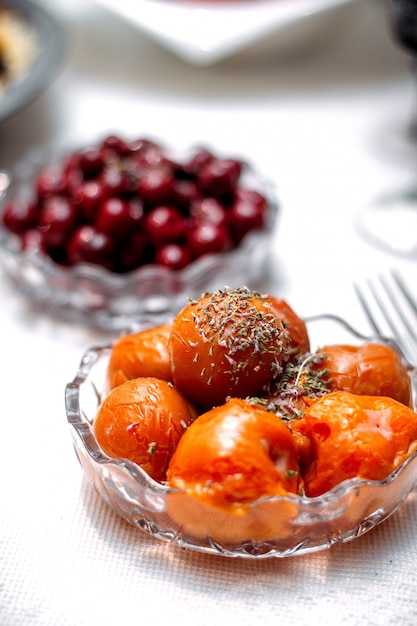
(322, 123)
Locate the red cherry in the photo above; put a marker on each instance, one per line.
(113, 217)
(151, 156)
(208, 210)
(56, 221)
(73, 175)
(139, 147)
(185, 193)
(71, 162)
(87, 245)
(252, 196)
(19, 215)
(199, 159)
(91, 162)
(208, 238)
(50, 181)
(133, 252)
(156, 187)
(88, 196)
(219, 177)
(246, 215)
(136, 212)
(113, 181)
(173, 255)
(114, 143)
(164, 224)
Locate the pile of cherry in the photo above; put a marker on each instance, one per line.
(124, 204)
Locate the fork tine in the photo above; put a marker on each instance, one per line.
(405, 291)
(390, 302)
(395, 301)
(389, 320)
(367, 309)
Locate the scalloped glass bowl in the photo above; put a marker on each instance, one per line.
(271, 527)
(95, 296)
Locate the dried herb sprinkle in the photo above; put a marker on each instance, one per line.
(231, 320)
(302, 377)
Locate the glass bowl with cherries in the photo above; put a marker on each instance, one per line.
(126, 227)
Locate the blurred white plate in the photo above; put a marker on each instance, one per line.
(204, 32)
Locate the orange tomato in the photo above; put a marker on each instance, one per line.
(143, 420)
(371, 369)
(355, 435)
(271, 519)
(297, 329)
(140, 354)
(226, 344)
(233, 455)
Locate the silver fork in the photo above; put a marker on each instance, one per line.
(389, 304)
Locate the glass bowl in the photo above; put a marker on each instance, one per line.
(272, 527)
(95, 296)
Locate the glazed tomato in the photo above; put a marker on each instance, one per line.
(234, 454)
(227, 343)
(355, 435)
(142, 420)
(140, 354)
(297, 329)
(371, 369)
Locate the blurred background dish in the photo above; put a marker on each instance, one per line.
(205, 32)
(33, 44)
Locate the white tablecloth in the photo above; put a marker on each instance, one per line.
(324, 124)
